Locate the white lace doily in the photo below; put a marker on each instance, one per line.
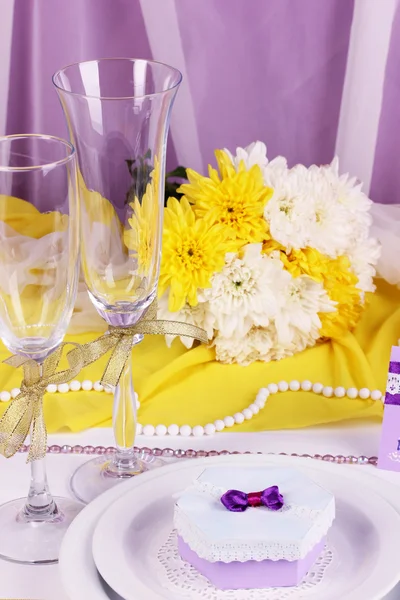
(184, 581)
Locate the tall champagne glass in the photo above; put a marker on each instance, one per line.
(39, 271)
(118, 111)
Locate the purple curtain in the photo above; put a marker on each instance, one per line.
(259, 69)
(49, 34)
(267, 69)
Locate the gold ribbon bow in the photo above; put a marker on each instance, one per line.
(121, 339)
(26, 409)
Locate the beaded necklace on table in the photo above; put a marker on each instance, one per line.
(247, 413)
(190, 453)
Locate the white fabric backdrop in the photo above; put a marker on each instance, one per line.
(363, 87)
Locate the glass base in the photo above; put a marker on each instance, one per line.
(34, 542)
(96, 476)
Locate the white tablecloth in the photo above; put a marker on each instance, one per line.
(43, 583)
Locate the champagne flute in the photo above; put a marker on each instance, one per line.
(118, 112)
(39, 269)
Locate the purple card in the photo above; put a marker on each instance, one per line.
(389, 450)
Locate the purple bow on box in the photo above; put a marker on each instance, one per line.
(237, 501)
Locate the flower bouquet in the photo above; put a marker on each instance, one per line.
(267, 259)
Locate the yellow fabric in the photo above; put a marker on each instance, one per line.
(25, 218)
(179, 386)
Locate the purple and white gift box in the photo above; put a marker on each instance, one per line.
(389, 450)
(249, 539)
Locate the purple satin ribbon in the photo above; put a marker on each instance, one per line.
(394, 367)
(237, 501)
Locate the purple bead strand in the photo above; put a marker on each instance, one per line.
(190, 453)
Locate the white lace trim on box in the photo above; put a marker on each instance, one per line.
(230, 550)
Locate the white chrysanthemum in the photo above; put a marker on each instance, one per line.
(314, 207)
(256, 345)
(363, 258)
(330, 228)
(194, 315)
(256, 154)
(304, 211)
(348, 192)
(362, 250)
(289, 213)
(297, 321)
(260, 343)
(299, 343)
(230, 350)
(244, 294)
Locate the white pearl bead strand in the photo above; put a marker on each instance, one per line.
(219, 424)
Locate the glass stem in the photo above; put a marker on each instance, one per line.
(40, 505)
(124, 462)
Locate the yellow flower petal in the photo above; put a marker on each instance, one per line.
(193, 250)
(338, 280)
(235, 199)
(141, 238)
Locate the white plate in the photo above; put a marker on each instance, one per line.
(82, 581)
(79, 576)
(130, 533)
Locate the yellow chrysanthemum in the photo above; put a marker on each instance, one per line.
(193, 250)
(340, 283)
(143, 233)
(338, 280)
(306, 261)
(234, 199)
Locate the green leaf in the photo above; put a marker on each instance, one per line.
(179, 173)
(130, 164)
(140, 171)
(171, 187)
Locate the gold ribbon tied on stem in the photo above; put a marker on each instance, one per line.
(25, 411)
(120, 340)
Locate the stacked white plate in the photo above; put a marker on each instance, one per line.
(122, 545)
